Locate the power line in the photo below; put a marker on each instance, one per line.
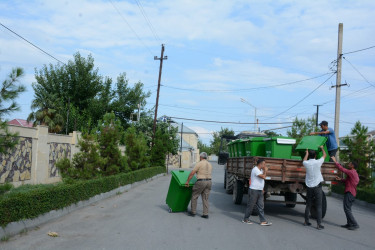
(189, 119)
(153, 31)
(358, 71)
(304, 97)
(123, 18)
(35, 46)
(358, 50)
(249, 89)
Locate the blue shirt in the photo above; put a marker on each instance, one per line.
(331, 140)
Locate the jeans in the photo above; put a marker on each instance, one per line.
(315, 194)
(255, 197)
(348, 202)
(200, 188)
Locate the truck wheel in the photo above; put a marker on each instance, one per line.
(229, 183)
(238, 192)
(225, 179)
(324, 207)
(290, 197)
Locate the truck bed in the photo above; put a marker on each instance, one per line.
(284, 170)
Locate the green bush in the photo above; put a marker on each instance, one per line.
(30, 202)
(5, 187)
(363, 194)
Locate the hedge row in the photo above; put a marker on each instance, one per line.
(363, 194)
(27, 205)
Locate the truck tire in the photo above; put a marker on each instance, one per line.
(225, 178)
(229, 183)
(324, 207)
(238, 192)
(290, 197)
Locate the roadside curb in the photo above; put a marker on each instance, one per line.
(357, 202)
(17, 227)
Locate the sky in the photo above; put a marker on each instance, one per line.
(278, 57)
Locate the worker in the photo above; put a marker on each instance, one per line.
(202, 186)
(331, 138)
(351, 182)
(313, 182)
(256, 190)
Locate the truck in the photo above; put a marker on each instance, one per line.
(285, 177)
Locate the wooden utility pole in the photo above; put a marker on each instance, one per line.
(317, 114)
(162, 57)
(338, 83)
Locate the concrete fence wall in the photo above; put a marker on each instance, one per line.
(33, 160)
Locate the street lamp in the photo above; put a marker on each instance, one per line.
(255, 114)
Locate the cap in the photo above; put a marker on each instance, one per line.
(324, 123)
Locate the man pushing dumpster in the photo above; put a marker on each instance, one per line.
(202, 186)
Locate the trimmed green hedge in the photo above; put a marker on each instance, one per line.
(16, 206)
(363, 194)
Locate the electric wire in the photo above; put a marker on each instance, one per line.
(358, 50)
(123, 18)
(35, 46)
(189, 119)
(358, 71)
(143, 12)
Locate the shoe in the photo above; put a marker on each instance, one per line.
(205, 216)
(191, 214)
(353, 227)
(247, 222)
(345, 226)
(307, 223)
(266, 223)
(320, 227)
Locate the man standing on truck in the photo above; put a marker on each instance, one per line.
(255, 196)
(331, 138)
(351, 182)
(202, 186)
(313, 182)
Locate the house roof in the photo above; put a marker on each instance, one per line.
(185, 129)
(21, 122)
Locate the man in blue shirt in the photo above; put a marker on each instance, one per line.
(331, 138)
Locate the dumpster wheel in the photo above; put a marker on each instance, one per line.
(169, 210)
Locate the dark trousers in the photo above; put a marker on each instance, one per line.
(255, 197)
(315, 194)
(201, 188)
(348, 202)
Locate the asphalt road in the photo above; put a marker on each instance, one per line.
(139, 219)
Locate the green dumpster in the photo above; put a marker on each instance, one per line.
(314, 143)
(230, 149)
(179, 196)
(255, 146)
(279, 147)
(240, 146)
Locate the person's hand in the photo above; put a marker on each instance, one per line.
(338, 178)
(187, 184)
(307, 151)
(322, 147)
(312, 133)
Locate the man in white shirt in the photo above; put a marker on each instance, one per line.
(314, 187)
(255, 196)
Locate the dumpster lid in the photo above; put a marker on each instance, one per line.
(281, 140)
(182, 175)
(311, 142)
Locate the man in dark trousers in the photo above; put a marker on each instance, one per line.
(202, 186)
(351, 181)
(314, 186)
(256, 197)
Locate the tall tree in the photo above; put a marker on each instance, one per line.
(216, 141)
(301, 128)
(9, 91)
(361, 150)
(204, 148)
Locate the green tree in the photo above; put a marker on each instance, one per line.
(165, 142)
(270, 133)
(301, 128)
(109, 136)
(137, 151)
(361, 150)
(204, 148)
(9, 91)
(215, 142)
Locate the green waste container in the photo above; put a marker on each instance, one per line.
(179, 196)
(279, 147)
(230, 149)
(296, 157)
(255, 146)
(314, 143)
(240, 147)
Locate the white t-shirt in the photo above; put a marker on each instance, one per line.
(257, 183)
(313, 174)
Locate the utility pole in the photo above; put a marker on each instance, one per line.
(162, 57)
(317, 114)
(139, 112)
(338, 83)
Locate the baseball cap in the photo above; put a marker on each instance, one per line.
(324, 123)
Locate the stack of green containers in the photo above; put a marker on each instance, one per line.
(279, 147)
(179, 196)
(314, 143)
(230, 149)
(255, 146)
(239, 146)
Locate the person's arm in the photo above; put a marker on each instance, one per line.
(341, 168)
(192, 173)
(306, 155)
(264, 175)
(320, 133)
(324, 152)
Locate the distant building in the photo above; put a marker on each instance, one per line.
(21, 122)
